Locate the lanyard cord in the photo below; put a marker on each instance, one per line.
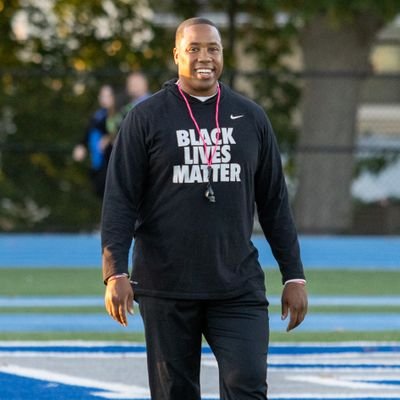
(209, 191)
(214, 149)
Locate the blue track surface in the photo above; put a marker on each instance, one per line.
(77, 251)
(274, 349)
(315, 322)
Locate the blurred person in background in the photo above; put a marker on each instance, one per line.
(97, 140)
(137, 90)
(188, 168)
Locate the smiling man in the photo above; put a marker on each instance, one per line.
(200, 63)
(188, 168)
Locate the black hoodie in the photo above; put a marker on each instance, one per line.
(185, 246)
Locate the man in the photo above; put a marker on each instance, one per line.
(188, 166)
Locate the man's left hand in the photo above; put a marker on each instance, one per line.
(294, 301)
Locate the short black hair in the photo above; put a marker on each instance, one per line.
(190, 22)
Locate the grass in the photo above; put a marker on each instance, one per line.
(88, 282)
(50, 282)
(291, 337)
(343, 282)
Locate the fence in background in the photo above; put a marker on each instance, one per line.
(376, 184)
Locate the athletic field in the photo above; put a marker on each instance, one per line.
(56, 341)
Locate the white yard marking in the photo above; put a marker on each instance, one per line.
(115, 390)
(331, 371)
(39, 354)
(341, 381)
(327, 396)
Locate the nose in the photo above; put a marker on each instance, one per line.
(204, 55)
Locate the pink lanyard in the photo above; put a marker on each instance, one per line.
(209, 192)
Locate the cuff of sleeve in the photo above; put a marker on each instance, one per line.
(301, 281)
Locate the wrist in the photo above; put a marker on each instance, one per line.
(116, 276)
(298, 281)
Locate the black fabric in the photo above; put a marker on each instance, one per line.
(236, 330)
(185, 246)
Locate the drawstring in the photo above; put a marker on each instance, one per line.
(209, 193)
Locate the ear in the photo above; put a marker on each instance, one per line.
(175, 51)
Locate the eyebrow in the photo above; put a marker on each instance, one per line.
(207, 43)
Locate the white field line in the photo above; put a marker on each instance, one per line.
(120, 391)
(331, 396)
(49, 376)
(340, 356)
(69, 343)
(70, 355)
(343, 382)
(100, 343)
(350, 343)
(391, 360)
(109, 390)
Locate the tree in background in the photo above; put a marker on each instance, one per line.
(54, 56)
(336, 39)
(62, 51)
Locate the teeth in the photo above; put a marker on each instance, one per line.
(204, 71)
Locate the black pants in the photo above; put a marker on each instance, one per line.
(237, 331)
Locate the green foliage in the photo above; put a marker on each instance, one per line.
(51, 72)
(339, 11)
(40, 184)
(54, 57)
(276, 86)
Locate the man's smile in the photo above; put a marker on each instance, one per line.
(204, 72)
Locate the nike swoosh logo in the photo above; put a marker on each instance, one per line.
(236, 116)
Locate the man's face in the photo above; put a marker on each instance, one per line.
(198, 55)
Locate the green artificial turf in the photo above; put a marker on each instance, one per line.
(50, 282)
(88, 282)
(343, 282)
(291, 337)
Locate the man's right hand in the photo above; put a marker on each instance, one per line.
(119, 299)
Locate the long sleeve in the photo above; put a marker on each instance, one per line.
(123, 193)
(273, 208)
